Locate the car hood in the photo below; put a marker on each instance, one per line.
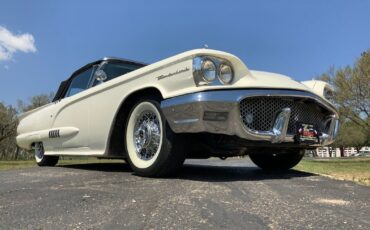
(267, 80)
(276, 80)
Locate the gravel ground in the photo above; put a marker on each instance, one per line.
(231, 194)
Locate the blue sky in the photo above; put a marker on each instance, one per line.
(300, 39)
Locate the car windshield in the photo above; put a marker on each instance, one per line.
(116, 69)
(77, 83)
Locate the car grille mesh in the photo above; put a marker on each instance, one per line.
(259, 113)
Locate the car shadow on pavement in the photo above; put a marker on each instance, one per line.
(104, 167)
(195, 172)
(212, 173)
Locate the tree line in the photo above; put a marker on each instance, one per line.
(351, 97)
(9, 123)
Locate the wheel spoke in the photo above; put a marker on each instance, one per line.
(147, 135)
(39, 150)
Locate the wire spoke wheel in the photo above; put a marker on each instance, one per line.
(152, 148)
(39, 151)
(147, 135)
(41, 158)
(144, 134)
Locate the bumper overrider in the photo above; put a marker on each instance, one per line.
(254, 115)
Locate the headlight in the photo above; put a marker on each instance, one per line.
(329, 94)
(225, 73)
(209, 70)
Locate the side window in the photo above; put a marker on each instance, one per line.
(113, 70)
(79, 82)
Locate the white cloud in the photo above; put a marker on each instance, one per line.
(11, 43)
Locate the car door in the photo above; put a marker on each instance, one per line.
(100, 121)
(72, 111)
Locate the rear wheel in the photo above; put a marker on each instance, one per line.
(273, 159)
(40, 157)
(153, 149)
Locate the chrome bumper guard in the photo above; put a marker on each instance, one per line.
(218, 112)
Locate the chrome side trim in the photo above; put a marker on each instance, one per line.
(186, 121)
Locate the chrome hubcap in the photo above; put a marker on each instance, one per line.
(147, 135)
(39, 150)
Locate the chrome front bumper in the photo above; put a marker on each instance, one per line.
(218, 112)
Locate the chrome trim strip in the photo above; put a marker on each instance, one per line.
(186, 121)
(238, 95)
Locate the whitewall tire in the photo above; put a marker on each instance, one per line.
(152, 148)
(40, 157)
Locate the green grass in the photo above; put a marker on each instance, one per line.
(5, 165)
(353, 169)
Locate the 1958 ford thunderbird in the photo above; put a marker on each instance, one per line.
(198, 104)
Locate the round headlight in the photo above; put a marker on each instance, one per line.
(209, 70)
(329, 94)
(226, 74)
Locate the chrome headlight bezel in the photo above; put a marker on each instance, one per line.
(199, 71)
(221, 75)
(206, 69)
(328, 93)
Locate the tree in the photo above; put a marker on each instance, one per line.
(9, 122)
(353, 92)
(34, 102)
(350, 136)
(8, 126)
(352, 97)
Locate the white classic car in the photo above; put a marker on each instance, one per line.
(198, 104)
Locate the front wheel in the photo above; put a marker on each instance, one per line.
(153, 149)
(273, 159)
(40, 157)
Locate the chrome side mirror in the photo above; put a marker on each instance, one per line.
(100, 75)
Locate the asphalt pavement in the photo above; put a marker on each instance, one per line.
(231, 194)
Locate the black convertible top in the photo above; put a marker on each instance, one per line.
(63, 87)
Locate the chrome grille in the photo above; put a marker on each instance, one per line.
(259, 113)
